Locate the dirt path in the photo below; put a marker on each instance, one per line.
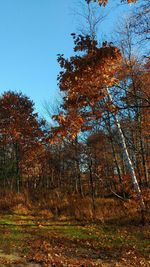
(13, 260)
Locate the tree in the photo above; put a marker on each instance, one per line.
(86, 80)
(20, 134)
(89, 18)
(140, 21)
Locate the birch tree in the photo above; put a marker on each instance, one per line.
(86, 80)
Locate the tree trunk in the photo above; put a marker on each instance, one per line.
(129, 164)
(92, 188)
(119, 172)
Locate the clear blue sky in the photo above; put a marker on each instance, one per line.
(32, 33)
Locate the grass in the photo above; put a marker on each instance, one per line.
(72, 240)
(78, 232)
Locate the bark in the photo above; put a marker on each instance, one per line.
(17, 158)
(92, 188)
(143, 153)
(78, 173)
(115, 157)
(129, 163)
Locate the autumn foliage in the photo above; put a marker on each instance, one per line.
(84, 80)
(81, 156)
(76, 192)
(19, 134)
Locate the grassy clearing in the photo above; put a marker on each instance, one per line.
(45, 242)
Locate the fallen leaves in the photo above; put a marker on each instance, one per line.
(50, 243)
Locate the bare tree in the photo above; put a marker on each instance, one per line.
(90, 18)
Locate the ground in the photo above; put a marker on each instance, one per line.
(36, 241)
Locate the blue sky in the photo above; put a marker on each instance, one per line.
(32, 33)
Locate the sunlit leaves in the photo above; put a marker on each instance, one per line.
(84, 79)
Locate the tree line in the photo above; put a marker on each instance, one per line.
(99, 145)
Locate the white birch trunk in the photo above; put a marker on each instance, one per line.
(128, 160)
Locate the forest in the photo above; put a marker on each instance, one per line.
(77, 193)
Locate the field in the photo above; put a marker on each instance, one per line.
(35, 241)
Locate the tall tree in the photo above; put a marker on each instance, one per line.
(19, 133)
(87, 79)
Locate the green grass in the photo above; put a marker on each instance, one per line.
(6, 219)
(78, 232)
(89, 239)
